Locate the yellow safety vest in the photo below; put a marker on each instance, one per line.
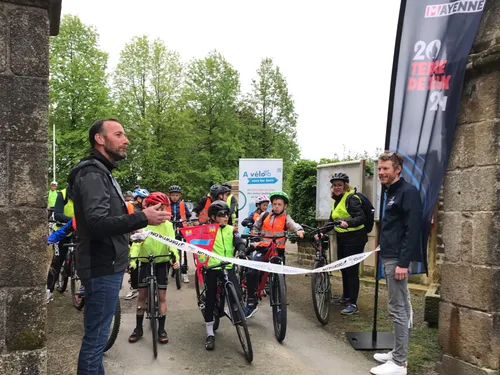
(223, 245)
(69, 209)
(340, 212)
(229, 199)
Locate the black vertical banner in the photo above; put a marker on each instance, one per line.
(435, 41)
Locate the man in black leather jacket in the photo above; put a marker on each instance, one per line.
(103, 227)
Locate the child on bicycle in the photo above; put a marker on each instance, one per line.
(154, 247)
(180, 214)
(139, 196)
(226, 242)
(261, 204)
(275, 223)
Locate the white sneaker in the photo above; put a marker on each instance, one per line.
(389, 368)
(383, 357)
(185, 278)
(132, 294)
(50, 296)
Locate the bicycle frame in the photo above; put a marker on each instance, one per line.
(221, 295)
(271, 256)
(151, 274)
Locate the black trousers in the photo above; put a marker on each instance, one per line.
(60, 253)
(350, 275)
(211, 282)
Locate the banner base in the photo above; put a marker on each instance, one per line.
(364, 340)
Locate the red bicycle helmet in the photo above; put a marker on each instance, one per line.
(157, 197)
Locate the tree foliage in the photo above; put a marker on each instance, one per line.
(188, 123)
(78, 90)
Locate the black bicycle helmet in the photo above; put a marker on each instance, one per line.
(175, 189)
(228, 185)
(223, 190)
(216, 207)
(340, 176)
(214, 190)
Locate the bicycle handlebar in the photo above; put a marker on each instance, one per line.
(69, 245)
(152, 257)
(221, 264)
(253, 237)
(329, 225)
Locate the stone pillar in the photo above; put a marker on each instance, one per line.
(24, 70)
(469, 325)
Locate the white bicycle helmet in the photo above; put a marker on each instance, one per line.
(262, 199)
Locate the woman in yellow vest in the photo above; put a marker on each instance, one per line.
(347, 213)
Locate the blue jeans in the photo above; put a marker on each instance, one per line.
(101, 297)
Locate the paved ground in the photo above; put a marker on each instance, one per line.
(307, 348)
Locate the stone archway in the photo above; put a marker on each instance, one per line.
(469, 322)
(25, 26)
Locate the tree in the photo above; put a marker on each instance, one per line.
(303, 192)
(275, 109)
(212, 89)
(148, 90)
(78, 90)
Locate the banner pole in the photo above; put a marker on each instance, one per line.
(382, 340)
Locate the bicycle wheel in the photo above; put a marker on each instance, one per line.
(239, 321)
(115, 326)
(62, 281)
(152, 305)
(321, 294)
(199, 293)
(278, 304)
(178, 276)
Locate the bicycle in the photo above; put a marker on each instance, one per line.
(273, 282)
(78, 298)
(226, 292)
(153, 302)
(321, 289)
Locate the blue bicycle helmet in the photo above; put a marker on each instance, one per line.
(143, 193)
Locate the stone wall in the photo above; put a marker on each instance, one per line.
(24, 70)
(469, 325)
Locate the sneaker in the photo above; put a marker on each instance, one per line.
(389, 368)
(136, 335)
(250, 310)
(132, 294)
(383, 357)
(350, 310)
(185, 278)
(50, 296)
(340, 301)
(210, 343)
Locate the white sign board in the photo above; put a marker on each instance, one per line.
(354, 169)
(257, 177)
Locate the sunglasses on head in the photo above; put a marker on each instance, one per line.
(222, 213)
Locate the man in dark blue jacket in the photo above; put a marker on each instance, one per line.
(400, 243)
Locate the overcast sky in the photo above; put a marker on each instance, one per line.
(335, 55)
